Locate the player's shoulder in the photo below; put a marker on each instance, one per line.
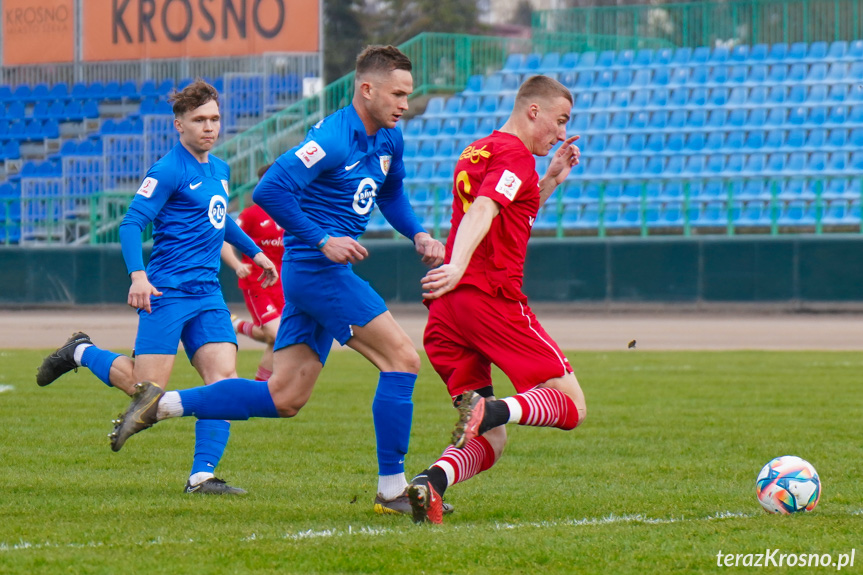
(220, 165)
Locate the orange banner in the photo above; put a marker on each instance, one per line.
(38, 31)
(138, 29)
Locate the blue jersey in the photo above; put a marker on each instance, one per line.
(335, 177)
(187, 201)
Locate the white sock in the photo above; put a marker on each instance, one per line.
(169, 406)
(200, 477)
(391, 486)
(514, 409)
(79, 352)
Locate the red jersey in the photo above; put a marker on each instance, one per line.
(266, 234)
(499, 167)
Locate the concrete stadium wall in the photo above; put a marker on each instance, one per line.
(672, 270)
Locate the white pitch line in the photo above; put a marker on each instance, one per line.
(5, 388)
(372, 531)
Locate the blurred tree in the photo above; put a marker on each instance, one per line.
(344, 37)
(397, 21)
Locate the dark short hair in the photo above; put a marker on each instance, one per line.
(192, 96)
(263, 170)
(377, 58)
(541, 87)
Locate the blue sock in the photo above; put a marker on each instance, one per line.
(393, 411)
(232, 399)
(211, 437)
(99, 362)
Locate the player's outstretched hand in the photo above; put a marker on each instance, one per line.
(441, 280)
(431, 250)
(343, 250)
(270, 275)
(140, 291)
(566, 158)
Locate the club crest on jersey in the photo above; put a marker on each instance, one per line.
(385, 164)
(508, 185)
(225, 185)
(148, 186)
(310, 154)
(218, 212)
(364, 199)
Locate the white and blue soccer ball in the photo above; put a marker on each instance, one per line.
(788, 484)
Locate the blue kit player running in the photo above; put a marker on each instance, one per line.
(322, 192)
(178, 297)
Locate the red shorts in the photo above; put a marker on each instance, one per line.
(468, 330)
(265, 305)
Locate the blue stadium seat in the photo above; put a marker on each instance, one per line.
(656, 142)
(602, 99)
(434, 107)
(661, 77)
(817, 138)
(855, 50)
(569, 61)
(776, 162)
(513, 62)
(778, 73)
(755, 140)
(550, 62)
(739, 53)
(643, 58)
(675, 141)
(838, 162)
(838, 138)
(795, 138)
(817, 73)
(621, 99)
(587, 60)
(474, 84)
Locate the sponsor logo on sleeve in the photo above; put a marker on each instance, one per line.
(225, 185)
(508, 185)
(148, 186)
(310, 154)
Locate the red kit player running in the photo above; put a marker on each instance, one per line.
(478, 315)
(265, 304)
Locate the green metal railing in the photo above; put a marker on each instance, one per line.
(18, 222)
(442, 64)
(703, 23)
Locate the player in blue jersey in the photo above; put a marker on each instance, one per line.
(178, 297)
(322, 192)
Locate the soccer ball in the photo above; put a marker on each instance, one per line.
(788, 484)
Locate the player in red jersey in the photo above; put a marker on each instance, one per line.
(265, 304)
(478, 315)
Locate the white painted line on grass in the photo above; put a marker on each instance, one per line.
(371, 531)
(5, 388)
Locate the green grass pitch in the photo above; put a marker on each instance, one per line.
(659, 478)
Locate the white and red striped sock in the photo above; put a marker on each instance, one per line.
(462, 464)
(245, 328)
(263, 374)
(543, 407)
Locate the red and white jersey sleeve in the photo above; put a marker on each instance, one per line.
(499, 167)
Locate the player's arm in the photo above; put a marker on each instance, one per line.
(566, 158)
(397, 210)
(471, 231)
(149, 200)
(279, 188)
(232, 261)
(238, 238)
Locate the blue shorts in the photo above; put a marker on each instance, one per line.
(322, 302)
(193, 319)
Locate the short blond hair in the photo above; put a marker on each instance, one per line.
(541, 87)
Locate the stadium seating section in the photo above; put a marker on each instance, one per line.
(705, 140)
(748, 137)
(60, 144)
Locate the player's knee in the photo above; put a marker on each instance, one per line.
(406, 358)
